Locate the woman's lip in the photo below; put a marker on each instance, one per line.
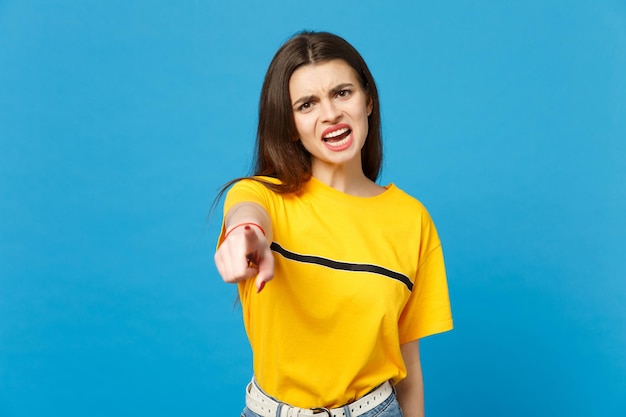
(345, 144)
(334, 128)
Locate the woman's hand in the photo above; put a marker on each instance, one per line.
(245, 253)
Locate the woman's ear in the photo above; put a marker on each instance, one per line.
(370, 106)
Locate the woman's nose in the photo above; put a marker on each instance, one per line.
(330, 112)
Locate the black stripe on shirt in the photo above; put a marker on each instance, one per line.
(344, 266)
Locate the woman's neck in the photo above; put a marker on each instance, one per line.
(348, 180)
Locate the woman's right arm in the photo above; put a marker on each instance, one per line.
(244, 251)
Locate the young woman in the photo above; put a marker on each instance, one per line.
(354, 270)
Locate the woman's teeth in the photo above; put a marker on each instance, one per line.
(337, 143)
(336, 135)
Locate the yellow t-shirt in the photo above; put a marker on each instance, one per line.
(354, 279)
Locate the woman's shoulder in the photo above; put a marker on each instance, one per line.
(256, 181)
(407, 204)
(255, 189)
(404, 196)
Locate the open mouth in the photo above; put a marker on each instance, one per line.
(337, 136)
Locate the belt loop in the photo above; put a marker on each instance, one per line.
(278, 409)
(346, 409)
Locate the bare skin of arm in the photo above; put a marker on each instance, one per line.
(245, 253)
(410, 391)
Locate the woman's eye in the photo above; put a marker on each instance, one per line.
(343, 93)
(305, 106)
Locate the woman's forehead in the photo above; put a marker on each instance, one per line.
(322, 77)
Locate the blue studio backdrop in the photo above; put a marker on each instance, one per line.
(119, 121)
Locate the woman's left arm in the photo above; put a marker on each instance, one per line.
(410, 391)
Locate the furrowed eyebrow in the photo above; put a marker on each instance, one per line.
(341, 87)
(333, 91)
(303, 100)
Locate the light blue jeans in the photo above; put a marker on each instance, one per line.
(388, 408)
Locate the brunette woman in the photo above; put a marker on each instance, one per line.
(354, 270)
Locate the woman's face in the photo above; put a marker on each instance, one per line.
(330, 111)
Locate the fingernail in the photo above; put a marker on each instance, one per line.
(261, 286)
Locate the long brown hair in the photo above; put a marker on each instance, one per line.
(278, 152)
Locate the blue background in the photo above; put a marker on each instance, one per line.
(119, 120)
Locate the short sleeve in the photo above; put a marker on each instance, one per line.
(246, 190)
(428, 310)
